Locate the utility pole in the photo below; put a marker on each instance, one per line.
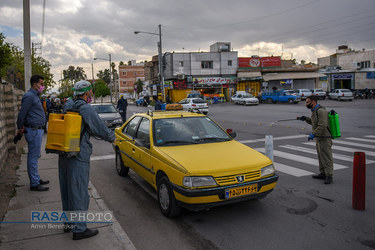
(93, 81)
(110, 75)
(27, 43)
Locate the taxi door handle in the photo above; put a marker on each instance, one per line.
(133, 150)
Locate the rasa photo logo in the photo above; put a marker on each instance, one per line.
(57, 219)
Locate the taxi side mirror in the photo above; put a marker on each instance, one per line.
(231, 133)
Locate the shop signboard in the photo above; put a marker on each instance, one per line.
(215, 80)
(342, 76)
(259, 62)
(179, 85)
(370, 75)
(286, 82)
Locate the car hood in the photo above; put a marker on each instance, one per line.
(217, 159)
(110, 116)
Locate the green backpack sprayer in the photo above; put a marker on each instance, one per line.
(334, 125)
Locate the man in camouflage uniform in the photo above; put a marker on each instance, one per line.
(322, 135)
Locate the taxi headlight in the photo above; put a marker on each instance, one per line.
(267, 171)
(198, 181)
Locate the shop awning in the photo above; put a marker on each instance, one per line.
(249, 74)
(282, 76)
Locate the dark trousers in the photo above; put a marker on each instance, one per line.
(123, 115)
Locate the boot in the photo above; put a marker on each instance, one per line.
(328, 180)
(319, 176)
(86, 234)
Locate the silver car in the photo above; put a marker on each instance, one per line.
(320, 93)
(109, 114)
(341, 95)
(245, 99)
(304, 93)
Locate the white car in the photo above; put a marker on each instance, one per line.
(320, 93)
(245, 99)
(341, 94)
(304, 93)
(195, 105)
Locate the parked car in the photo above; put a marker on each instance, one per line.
(194, 94)
(341, 95)
(189, 160)
(195, 105)
(304, 93)
(280, 96)
(291, 92)
(109, 114)
(245, 99)
(320, 93)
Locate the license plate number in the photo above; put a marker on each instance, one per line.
(239, 191)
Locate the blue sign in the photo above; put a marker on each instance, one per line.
(370, 75)
(342, 76)
(286, 82)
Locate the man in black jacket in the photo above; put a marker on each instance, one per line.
(122, 105)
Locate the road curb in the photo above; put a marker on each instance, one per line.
(117, 229)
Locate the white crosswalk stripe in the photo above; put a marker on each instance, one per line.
(291, 170)
(370, 136)
(302, 159)
(345, 149)
(360, 139)
(313, 151)
(354, 144)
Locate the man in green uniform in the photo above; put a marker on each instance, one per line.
(322, 135)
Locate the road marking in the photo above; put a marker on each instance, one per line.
(312, 151)
(345, 149)
(360, 139)
(275, 138)
(103, 157)
(370, 136)
(303, 159)
(291, 170)
(354, 144)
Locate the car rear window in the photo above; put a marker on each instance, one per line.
(345, 90)
(305, 90)
(105, 109)
(199, 101)
(319, 90)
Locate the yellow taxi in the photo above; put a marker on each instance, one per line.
(191, 161)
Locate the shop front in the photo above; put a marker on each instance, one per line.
(300, 80)
(249, 82)
(211, 88)
(342, 81)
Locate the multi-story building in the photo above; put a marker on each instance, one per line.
(350, 69)
(211, 73)
(129, 74)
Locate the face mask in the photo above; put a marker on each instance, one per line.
(89, 98)
(41, 89)
(309, 106)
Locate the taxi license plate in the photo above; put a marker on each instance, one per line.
(239, 191)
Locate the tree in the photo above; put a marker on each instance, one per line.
(73, 74)
(303, 62)
(101, 89)
(104, 75)
(139, 86)
(65, 89)
(5, 56)
(122, 63)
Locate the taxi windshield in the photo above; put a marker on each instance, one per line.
(186, 131)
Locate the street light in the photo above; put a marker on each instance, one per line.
(159, 58)
(110, 72)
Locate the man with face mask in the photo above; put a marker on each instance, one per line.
(31, 122)
(74, 171)
(322, 135)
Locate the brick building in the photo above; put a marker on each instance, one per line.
(129, 74)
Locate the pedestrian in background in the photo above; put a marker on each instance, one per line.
(74, 171)
(322, 135)
(31, 122)
(122, 105)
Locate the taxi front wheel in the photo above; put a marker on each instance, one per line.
(120, 167)
(166, 199)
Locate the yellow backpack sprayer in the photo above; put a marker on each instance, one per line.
(64, 133)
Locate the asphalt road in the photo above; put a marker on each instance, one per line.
(301, 213)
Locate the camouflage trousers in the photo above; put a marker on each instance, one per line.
(324, 149)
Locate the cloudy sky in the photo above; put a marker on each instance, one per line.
(76, 31)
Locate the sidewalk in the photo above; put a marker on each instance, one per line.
(44, 236)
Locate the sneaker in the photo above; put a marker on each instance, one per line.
(39, 188)
(328, 180)
(319, 176)
(85, 234)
